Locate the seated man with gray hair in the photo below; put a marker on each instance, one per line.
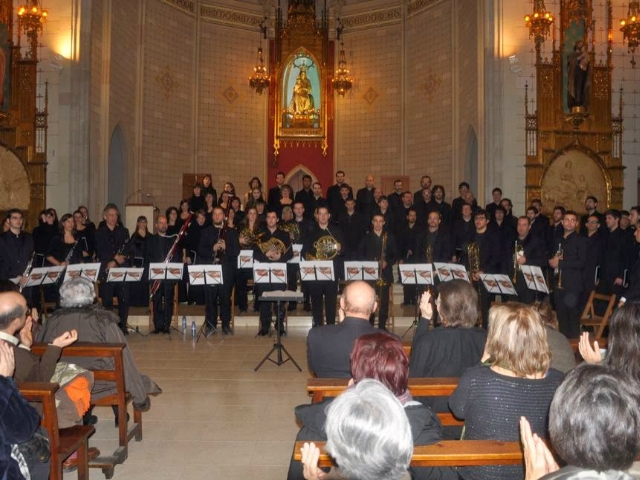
(97, 325)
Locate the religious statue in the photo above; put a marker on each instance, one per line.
(579, 76)
(301, 99)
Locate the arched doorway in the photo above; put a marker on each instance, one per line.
(117, 168)
(294, 177)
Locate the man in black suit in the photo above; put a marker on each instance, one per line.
(334, 198)
(221, 246)
(16, 250)
(275, 193)
(496, 195)
(329, 347)
(112, 243)
(158, 248)
(570, 265)
(530, 251)
(365, 200)
(488, 260)
(305, 196)
(591, 206)
(425, 182)
(618, 256)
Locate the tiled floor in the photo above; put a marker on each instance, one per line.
(217, 418)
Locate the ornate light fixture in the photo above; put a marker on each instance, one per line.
(31, 17)
(630, 28)
(539, 22)
(342, 82)
(260, 79)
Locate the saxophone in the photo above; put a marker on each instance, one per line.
(517, 253)
(473, 258)
(380, 282)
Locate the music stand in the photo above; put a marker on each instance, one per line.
(161, 272)
(279, 296)
(270, 273)
(124, 275)
(207, 275)
(416, 274)
(89, 271)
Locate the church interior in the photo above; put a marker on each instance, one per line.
(131, 102)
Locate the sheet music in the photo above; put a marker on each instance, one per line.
(316, 270)
(416, 274)
(89, 271)
(245, 259)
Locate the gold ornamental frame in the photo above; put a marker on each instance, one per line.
(300, 134)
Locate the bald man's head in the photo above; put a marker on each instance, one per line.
(13, 308)
(359, 300)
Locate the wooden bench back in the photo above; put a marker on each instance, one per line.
(321, 388)
(448, 453)
(62, 443)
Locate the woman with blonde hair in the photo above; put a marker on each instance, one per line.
(515, 380)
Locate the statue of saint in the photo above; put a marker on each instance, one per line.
(301, 100)
(579, 76)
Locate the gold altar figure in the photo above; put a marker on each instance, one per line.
(302, 100)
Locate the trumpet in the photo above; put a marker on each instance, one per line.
(380, 282)
(517, 253)
(558, 271)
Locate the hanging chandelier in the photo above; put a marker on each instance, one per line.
(539, 22)
(342, 82)
(31, 16)
(260, 79)
(630, 29)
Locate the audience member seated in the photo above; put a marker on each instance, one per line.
(95, 324)
(329, 347)
(18, 420)
(623, 352)
(593, 424)
(368, 435)
(563, 357)
(378, 356)
(515, 381)
(450, 349)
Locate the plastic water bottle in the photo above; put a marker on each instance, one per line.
(193, 329)
(184, 324)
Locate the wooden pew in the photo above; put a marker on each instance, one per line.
(321, 388)
(448, 453)
(120, 399)
(61, 442)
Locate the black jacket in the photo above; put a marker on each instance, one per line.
(329, 347)
(574, 248)
(15, 253)
(370, 249)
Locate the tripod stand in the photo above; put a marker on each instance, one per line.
(280, 298)
(416, 314)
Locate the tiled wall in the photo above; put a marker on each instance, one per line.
(167, 107)
(368, 118)
(232, 117)
(429, 105)
(124, 71)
